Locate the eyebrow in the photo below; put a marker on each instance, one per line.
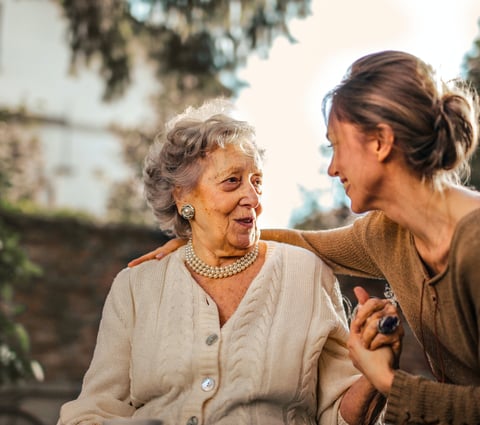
(233, 170)
(228, 171)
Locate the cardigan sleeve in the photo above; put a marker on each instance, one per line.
(106, 385)
(336, 372)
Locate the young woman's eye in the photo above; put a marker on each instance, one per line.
(326, 149)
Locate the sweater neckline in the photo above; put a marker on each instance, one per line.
(257, 280)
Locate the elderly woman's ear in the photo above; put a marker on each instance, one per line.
(184, 208)
(179, 198)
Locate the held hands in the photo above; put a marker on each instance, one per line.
(160, 252)
(374, 353)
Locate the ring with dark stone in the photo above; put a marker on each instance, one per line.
(388, 324)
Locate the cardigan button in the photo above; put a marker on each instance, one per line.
(211, 339)
(208, 384)
(192, 421)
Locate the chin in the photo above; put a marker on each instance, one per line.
(357, 209)
(248, 240)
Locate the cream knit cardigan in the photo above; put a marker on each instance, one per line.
(280, 359)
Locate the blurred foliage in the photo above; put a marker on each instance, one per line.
(22, 173)
(196, 48)
(16, 183)
(126, 201)
(15, 269)
(199, 44)
(324, 220)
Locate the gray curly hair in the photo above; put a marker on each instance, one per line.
(174, 159)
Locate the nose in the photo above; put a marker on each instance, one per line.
(332, 171)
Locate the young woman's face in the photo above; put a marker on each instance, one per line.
(355, 163)
(227, 201)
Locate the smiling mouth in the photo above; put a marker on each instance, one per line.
(247, 220)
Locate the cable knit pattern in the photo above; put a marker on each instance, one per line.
(160, 338)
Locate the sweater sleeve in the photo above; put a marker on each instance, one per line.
(348, 250)
(417, 400)
(106, 385)
(414, 399)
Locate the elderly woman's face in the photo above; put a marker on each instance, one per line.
(227, 201)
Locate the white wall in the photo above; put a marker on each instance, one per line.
(34, 73)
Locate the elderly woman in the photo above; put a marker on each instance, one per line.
(227, 329)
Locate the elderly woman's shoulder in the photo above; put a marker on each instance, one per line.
(300, 260)
(151, 266)
(293, 251)
(147, 269)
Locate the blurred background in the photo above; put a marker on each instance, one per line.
(84, 87)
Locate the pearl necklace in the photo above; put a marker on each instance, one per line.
(200, 267)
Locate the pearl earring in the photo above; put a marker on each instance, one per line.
(187, 212)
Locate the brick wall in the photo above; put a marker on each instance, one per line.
(63, 306)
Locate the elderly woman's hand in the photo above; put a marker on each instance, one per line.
(160, 252)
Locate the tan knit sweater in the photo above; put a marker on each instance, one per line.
(280, 359)
(443, 311)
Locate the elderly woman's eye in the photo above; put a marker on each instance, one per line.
(258, 184)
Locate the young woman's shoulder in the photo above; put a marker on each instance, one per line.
(465, 246)
(468, 229)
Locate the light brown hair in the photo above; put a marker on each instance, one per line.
(435, 123)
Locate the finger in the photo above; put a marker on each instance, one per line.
(369, 310)
(394, 340)
(159, 253)
(375, 338)
(376, 317)
(390, 309)
(369, 329)
(361, 294)
(168, 247)
(145, 257)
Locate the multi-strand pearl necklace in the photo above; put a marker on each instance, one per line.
(200, 267)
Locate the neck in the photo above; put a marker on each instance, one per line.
(417, 206)
(432, 216)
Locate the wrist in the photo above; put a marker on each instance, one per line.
(384, 384)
